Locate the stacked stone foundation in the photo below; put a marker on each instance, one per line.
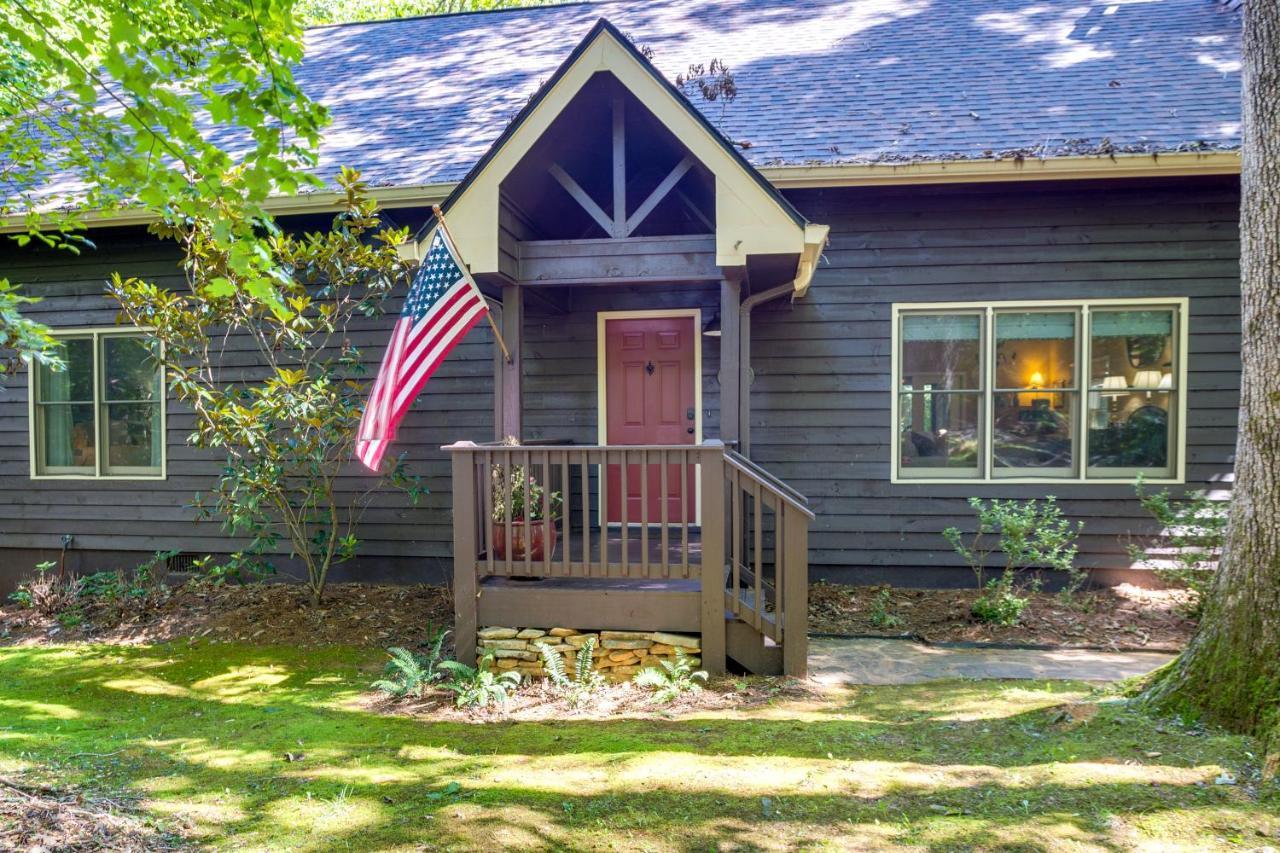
(618, 655)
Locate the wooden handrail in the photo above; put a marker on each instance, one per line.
(785, 492)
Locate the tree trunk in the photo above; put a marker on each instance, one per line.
(1230, 672)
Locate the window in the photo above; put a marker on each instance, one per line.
(1039, 391)
(103, 416)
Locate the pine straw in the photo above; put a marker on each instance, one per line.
(39, 818)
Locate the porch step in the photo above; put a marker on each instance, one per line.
(756, 653)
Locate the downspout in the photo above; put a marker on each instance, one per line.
(744, 358)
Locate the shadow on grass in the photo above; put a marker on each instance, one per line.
(204, 731)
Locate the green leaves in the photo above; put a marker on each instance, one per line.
(279, 392)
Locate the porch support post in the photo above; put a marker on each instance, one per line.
(730, 362)
(464, 553)
(713, 565)
(513, 372)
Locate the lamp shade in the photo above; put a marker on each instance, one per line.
(1147, 379)
(1114, 384)
(1166, 382)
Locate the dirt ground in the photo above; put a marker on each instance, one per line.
(281, 614)
(1124, 617)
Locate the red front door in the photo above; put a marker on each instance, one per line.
(649, 399)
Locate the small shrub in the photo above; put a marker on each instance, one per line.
(674, 678)
(410, 674)
(479, 686)
(1193, 530)
(1000, 604)
(880, 615)
(586, 681)
(48, 593)
(1032, 536)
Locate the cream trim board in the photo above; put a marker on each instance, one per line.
(97, 334)
(602, 423)
(1006, 169)
(1083, 344)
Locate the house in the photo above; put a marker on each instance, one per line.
(929, 251)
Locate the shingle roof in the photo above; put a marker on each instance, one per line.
(417, 101)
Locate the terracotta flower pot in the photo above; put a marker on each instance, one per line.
(538, 536)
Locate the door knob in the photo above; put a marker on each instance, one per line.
(689, 430)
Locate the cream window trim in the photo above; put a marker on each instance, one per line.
(1081, 472)
(99, 470)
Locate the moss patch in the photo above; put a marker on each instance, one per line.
(201, 734)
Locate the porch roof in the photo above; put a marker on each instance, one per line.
(751, 217)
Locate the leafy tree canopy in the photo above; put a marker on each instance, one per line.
(314, 12)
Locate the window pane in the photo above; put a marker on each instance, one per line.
(1033, 430)
(1132, 349)
(941, 351)
(75, 382)
(1130, 429)
(133, 432)
(131, 371)
(939, 431)
(1036, 349)
(67, 439)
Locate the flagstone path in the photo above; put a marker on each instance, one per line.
(879, 661)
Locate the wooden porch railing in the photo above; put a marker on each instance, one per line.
(679, 512)
(768, 553)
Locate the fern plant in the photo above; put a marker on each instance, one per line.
(409, 674)
(479, 686)
(584, 683)
(674, 678)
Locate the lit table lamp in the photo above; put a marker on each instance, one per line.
(1148, 380)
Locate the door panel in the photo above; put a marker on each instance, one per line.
(650, 399)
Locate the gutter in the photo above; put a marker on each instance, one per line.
(814, 176)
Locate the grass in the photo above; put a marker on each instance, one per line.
(199, 733)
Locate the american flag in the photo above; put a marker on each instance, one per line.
(442, 306)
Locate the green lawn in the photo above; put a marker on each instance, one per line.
(199, 733)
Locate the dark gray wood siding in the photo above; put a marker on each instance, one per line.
(822, 390)
(820, 416)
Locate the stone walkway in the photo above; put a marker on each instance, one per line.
(876, 661)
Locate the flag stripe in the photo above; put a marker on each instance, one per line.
(426, 341)
(432, 358)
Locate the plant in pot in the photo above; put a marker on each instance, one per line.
(533, 527)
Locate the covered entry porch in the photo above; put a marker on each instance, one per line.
(624, 245)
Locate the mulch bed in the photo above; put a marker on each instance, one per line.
(1123, 618)
(42, 819)
(275, 613)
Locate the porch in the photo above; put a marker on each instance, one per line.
(623, 243)
(734, 569)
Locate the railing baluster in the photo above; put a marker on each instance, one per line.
(736, 509)
(565, 504)
(663, 497)
(778, 556)
(757, 606)
(509, 542)
(586, 513)
(684, 513)
(486, 519)
(528, 525)
(622, 490)
(604, 512)
(644, 513)
(547, 524)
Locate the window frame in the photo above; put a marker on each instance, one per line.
(101, 470)
(989, 308)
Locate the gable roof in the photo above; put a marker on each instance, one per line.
(752, 217)
(820, 82)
